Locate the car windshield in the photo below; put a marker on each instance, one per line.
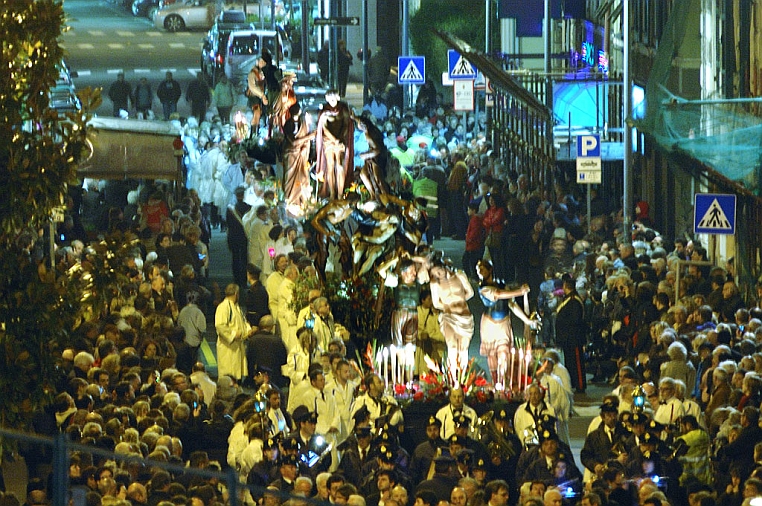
(269, 43)
(245, 45)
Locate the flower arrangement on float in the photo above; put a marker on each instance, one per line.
(395, 366)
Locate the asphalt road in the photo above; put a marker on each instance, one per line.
(105, 39)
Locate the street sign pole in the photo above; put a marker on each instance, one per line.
(406, 90)
(365, 55)
(304, 41)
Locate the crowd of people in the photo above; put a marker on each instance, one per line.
(290, 411)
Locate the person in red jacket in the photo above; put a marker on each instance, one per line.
(494, 223)
(474, 240)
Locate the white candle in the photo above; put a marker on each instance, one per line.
(528, 358)
(400, 366)
(510, 368)
(379, 362)
(410, 360)
(521, 362)
(393, 356)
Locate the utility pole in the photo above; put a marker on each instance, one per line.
(627, 205)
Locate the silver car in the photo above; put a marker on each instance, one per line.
(187, 14)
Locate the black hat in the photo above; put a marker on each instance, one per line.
(444, 459)
(547, 434)
(291, 443)
(609, 407)
(639, 419)
(270, 442)
(363, 432)
(648, 439)
(433, 420)
(654, 426)
(501, 414)
(386, 454)
(386, 438)
(465, 456)
(479, 463)
(302, 414)
(361, 414)
(456, 440)
(462, 420)
(289, 460)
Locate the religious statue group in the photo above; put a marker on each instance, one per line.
(358, 232)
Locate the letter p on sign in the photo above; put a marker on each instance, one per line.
(588, 146)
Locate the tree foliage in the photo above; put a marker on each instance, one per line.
(39, 151)
(463, 19)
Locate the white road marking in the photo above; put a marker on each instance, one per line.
(146, 46)
(114, 71)
(81, 73)
(125, 33)
(193, 71)
(154, 34)
(176, 44)
(116, 46)
(85, 46)
(142, 71)
(96, 33)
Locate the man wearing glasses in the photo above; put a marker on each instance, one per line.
(670, 408)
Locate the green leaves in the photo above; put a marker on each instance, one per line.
(39, 151)
(465, 20)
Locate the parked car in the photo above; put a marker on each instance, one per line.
(216, 42)
(309, 91)
(63, 95)
(145, 8)
(186, 14)
(244, 48)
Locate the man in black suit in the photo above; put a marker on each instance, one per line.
(313, 459)
(266, 350)
(237, 242)
(598, 443)
(443, 481)
(571, 333)
(425, 453)
(289, 471)
(256, 299)
(355, 453)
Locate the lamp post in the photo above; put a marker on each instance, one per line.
(627, 206)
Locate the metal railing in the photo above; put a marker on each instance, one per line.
(61, 449)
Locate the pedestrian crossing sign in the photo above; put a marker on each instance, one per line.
(714, 213)
(458, 67)
(412, 69)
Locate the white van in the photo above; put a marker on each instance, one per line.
(245, 48)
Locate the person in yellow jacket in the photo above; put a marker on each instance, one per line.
(232, 332)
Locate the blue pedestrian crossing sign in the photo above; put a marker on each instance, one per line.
(714, 213)
(458, 67)
(412, 69)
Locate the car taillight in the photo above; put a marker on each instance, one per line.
(219, 59)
